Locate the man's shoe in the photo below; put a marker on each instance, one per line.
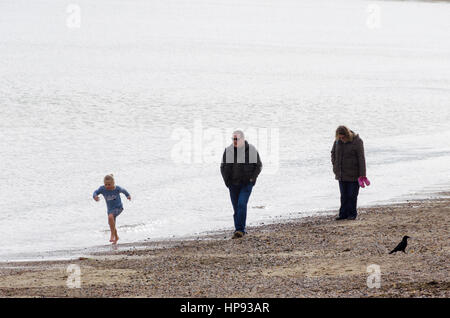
(237, 234)
(351, 218)
(340, 218)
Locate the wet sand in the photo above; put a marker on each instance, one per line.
(308, 257)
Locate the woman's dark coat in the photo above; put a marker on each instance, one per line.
(348, 159)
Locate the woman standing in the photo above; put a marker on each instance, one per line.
(347, 157)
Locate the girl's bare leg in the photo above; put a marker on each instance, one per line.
(112, 227)
(117, 236)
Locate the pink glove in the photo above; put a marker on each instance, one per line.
(363, 181)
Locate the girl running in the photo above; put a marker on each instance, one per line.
(111, 193)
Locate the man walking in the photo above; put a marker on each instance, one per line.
(240, 168)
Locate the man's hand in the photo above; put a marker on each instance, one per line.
(96, 198)
(129, 198)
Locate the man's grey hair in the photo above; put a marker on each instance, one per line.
(239, 132)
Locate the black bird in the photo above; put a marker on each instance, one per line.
(401, 246)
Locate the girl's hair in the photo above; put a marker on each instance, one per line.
(109, 177)
(343, 130)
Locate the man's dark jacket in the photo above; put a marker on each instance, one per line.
(239, 166)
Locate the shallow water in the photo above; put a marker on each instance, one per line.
(150, 90)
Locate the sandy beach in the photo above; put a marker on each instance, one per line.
(308, 257)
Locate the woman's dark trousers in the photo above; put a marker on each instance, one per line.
(349, 199)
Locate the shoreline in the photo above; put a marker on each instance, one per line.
(97, 250)
(313, 256)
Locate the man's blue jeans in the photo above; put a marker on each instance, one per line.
(239, 195)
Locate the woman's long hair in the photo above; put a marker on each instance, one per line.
(344, 130)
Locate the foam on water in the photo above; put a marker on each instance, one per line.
(107, 97)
